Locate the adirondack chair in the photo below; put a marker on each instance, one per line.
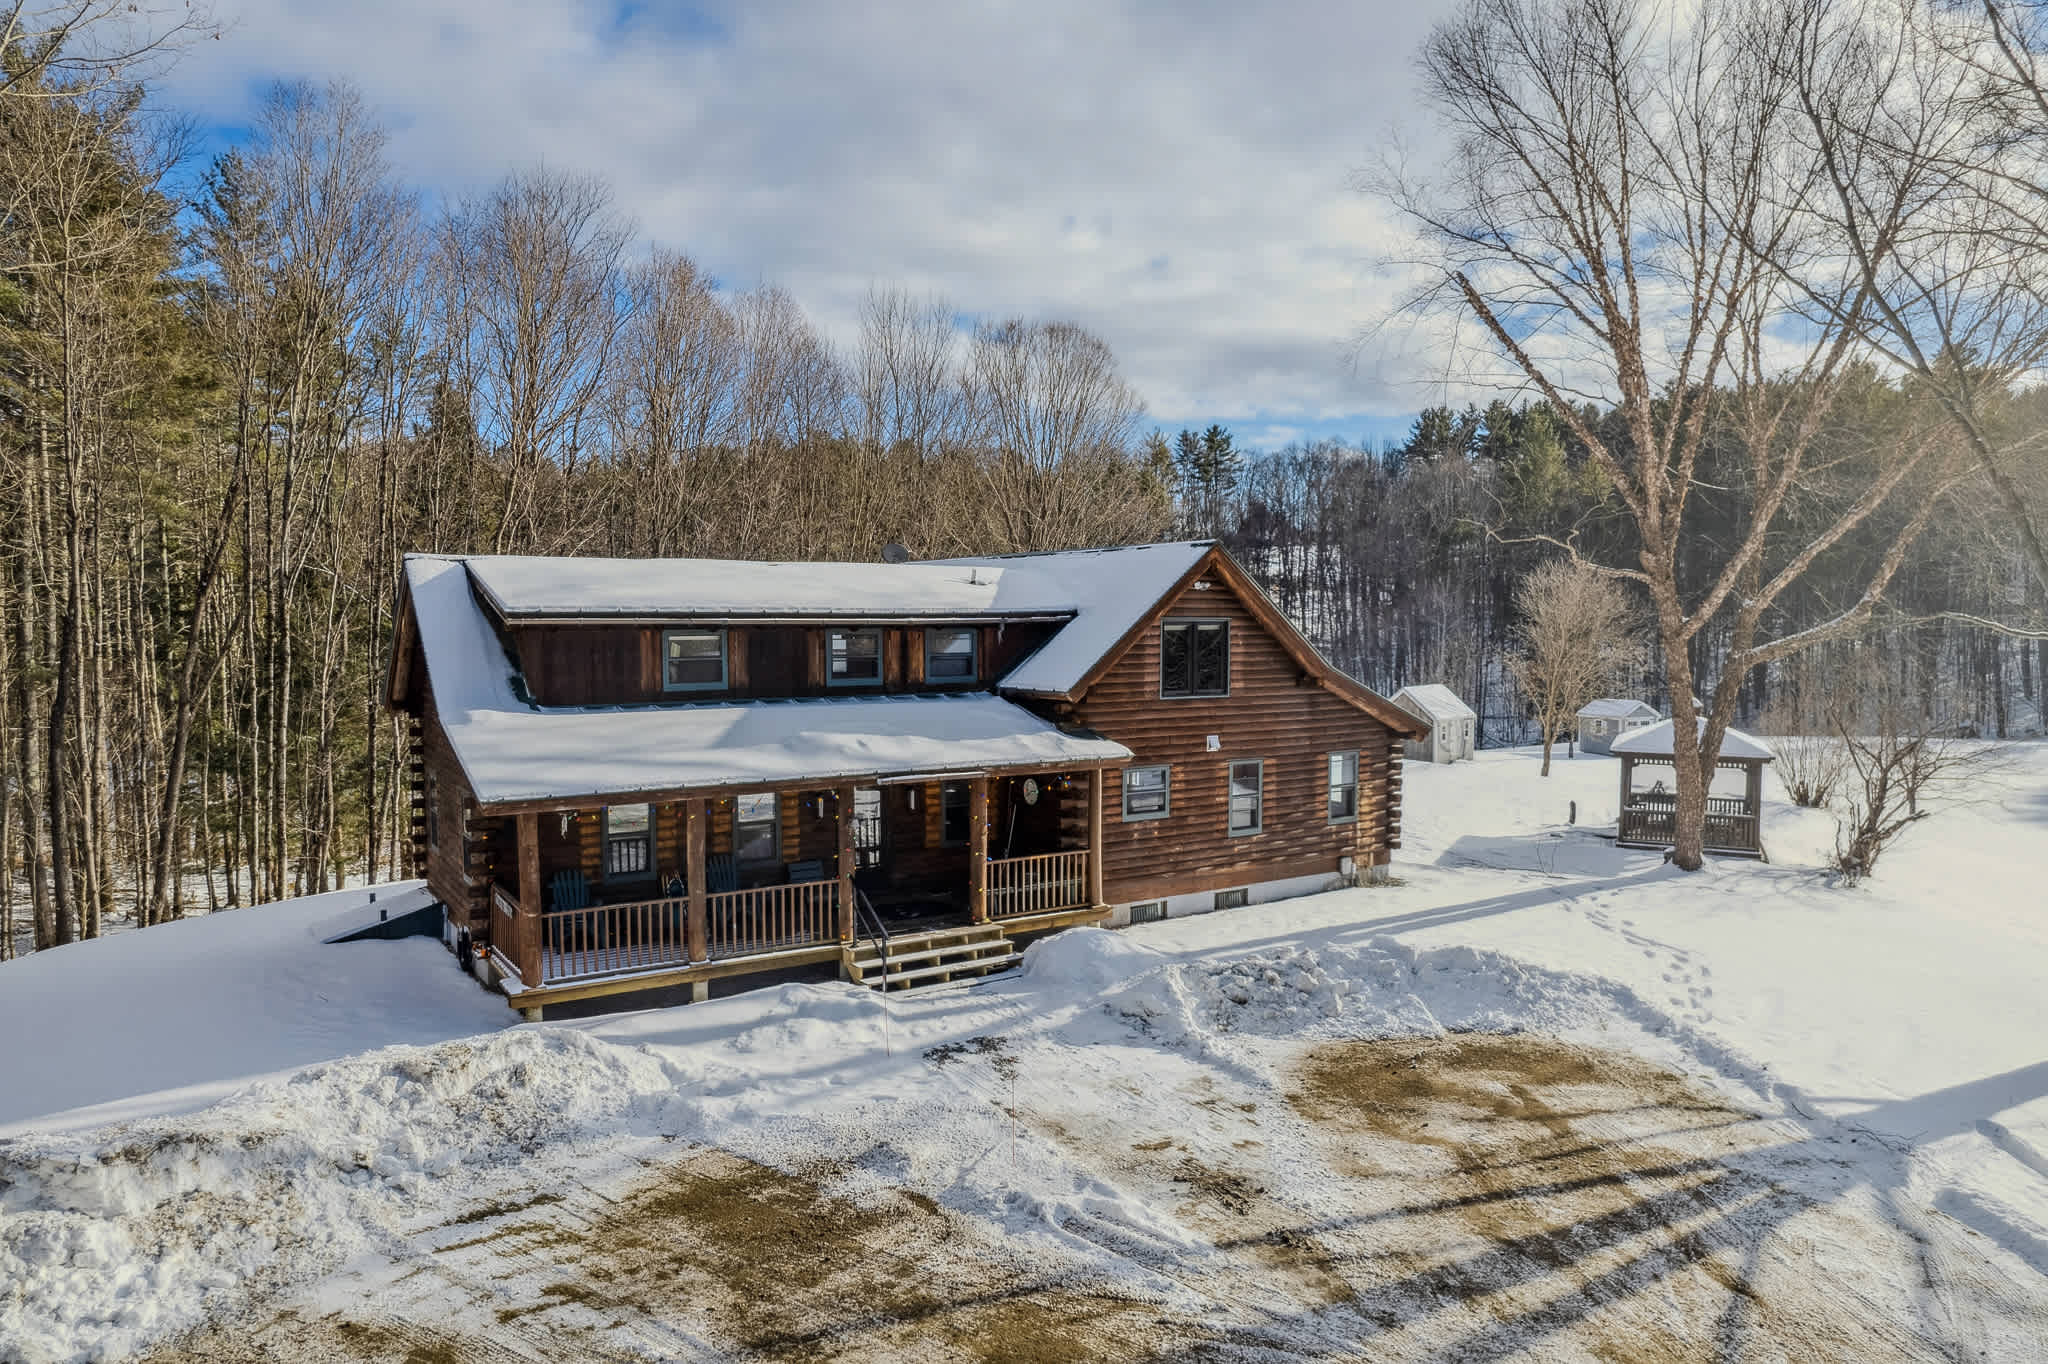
(813, 870)
(566, 890)
(673, 889)
(721, 874)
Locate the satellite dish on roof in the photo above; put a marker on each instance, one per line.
(893, 553)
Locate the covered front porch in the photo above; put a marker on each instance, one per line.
(590, 899)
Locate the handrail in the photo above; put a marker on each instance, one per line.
(871, 926)
(507, 931)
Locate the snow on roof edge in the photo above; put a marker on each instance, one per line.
(1438, 701)
(1654, 741)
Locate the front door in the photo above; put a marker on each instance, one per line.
(868, 827)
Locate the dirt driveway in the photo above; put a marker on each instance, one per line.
(1470, 1197)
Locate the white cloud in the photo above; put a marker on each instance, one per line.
(1174, 176)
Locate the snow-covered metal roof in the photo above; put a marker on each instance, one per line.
(531, 587)
(1654, 741)
(1111, 590)
(1617, 708)
(1434, 700)
(513, 751)
(1100, 594)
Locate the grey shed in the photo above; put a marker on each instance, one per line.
(1602, 722)
(1451, 723)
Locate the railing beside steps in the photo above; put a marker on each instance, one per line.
(508, 926)
(1044, 884)
(772, 918)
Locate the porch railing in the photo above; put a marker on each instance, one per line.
(772, 918)
(1043, 884)
(1653, 818)
(606, 940)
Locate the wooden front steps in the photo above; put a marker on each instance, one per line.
(929, 957)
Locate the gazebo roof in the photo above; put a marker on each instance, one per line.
(1654, 741)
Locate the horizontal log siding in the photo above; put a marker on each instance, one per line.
(1271, 714)
(582, 665)
(449, 875)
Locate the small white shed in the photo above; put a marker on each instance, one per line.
(1602, 722)
(1452, 722)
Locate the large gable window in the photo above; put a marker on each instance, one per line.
(692, 660)
(1194, 658)
(853, 658)
(949, 655)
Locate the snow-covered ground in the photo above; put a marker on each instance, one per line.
(1543, 1099)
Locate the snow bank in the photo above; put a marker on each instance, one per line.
(1381, 989)
(1089, 958)
(111, 1239)
(177, 1016)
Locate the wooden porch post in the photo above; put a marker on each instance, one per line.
(843, 799)
(977, 850)
(528, 958)
(1096, 786)
(694, 829)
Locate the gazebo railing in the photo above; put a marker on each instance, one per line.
(1652, 817)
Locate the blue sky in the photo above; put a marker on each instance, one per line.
(1174, 176)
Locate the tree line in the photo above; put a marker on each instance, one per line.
(235, 390)
(234, 395)
(1403, 561)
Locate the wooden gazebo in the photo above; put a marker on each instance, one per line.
(1649, 816)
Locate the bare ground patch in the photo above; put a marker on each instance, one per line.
(1561, 1202)
(711, 1256)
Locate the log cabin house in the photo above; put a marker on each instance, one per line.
(635, 774)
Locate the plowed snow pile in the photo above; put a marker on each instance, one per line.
(108, 1239)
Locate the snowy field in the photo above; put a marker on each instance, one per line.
(1542, 1100)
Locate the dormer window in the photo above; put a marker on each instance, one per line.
(692, 660)
(949, 655)
(853, 658)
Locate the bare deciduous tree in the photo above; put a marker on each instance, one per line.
(1801, 722)
(1895, 755)
(908, 374)
(1620, 170)
(1577, 633)
(86, 45)
(1060, 422)
(536, 263)
(1929, 126)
